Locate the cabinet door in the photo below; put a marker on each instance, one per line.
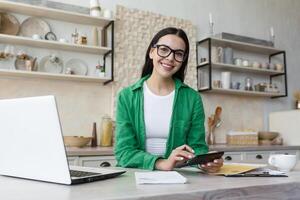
(287, 152)
(97, 161)
(257, 157)
(73, 160)
(232, 157)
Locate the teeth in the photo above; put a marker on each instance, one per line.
(166, 65)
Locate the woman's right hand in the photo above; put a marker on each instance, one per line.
(179, 154)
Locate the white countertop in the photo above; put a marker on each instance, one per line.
(199, 186)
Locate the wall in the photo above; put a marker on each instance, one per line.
(252, 18)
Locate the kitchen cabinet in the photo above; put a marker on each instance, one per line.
(106, 51)
(209, 68)
(92, 161)
(255, 156)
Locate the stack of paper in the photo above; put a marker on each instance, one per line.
(237, 168)
(159, 177)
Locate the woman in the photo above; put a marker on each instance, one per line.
(160, 120)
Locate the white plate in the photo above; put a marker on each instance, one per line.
(46, 65)
(34, 25)
(77, 66)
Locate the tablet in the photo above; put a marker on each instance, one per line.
(201, 159)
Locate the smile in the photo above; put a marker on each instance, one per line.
(166, 66)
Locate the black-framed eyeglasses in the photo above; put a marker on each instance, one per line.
(164, 51)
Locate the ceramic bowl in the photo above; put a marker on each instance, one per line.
(265, 135)
(76, 141)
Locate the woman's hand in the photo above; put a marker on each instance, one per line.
(179, 154)
(212, 167)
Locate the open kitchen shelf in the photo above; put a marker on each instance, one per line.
(241, 69)
(270, 52)
(19, 40)
(61, 15)
(243, 46)
(21, 73)
(243, 92)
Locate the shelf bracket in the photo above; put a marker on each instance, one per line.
(111, 52)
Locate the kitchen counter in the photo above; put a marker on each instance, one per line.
(108, 151)
(90, 151)
(199, 186)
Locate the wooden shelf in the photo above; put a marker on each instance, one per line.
(242, 69)
(39, 11)
(19, 40)
(20, 73)
(243, 92)
(244, 46)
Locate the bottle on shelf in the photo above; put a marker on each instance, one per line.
(94, 135)
(75, 37)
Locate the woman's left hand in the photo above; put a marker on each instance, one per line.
(212, 167)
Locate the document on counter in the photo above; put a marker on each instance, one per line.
(159, 177)
(237, 168)
(248, 170)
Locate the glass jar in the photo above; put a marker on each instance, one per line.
(106, 131)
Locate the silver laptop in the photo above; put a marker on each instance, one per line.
(32, 146)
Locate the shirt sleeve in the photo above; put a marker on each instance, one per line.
(196, 136)
(127, 150)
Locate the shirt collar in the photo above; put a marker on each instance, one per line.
(139, 83)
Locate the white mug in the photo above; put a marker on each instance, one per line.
(282, 162)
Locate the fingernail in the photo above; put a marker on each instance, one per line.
(215, 161)
(190, 156)
(202, 165)
(193, 151)
(181, 158)
(208, 164)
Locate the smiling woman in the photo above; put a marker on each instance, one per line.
(160, 120)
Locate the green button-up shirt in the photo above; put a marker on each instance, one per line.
(186, 125)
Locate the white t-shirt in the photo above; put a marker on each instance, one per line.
(157, 115)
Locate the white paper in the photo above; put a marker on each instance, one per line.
(159, 177)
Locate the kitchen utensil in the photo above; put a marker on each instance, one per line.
(76, 141)
(245, 63)
(267, 135)
(277, 141)
(94, 135)
(30, 64)
(9, 24)
(217, 117)
(226, 79)
(34, 25)
(256, 64)
(248, 84)
(20, 63)
(51, 64)
(210, 139)
(50, 36)
(238, 61)
(282, 162)
(228, 55)
(77, 66)
(278, 67)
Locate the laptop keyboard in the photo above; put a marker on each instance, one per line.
(75, 173)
